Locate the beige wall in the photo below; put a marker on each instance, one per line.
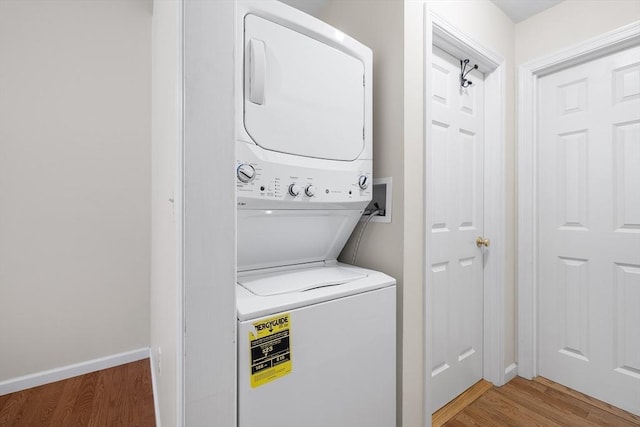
(381, 247)
(495, 32)
(74, 181)
(413, 316)
(570, 23)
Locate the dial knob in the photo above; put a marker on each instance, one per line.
(246, 172)
(294, 190)
(363, 182)
(310, 191)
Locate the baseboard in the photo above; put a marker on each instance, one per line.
(69, 371)
(154, 386)
(510, 372)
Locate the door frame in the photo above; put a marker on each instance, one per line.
(527, 246)
(438, 32)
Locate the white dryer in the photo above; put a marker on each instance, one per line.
(316, 338)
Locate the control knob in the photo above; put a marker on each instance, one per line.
(246, 172)
(310, 191)
(294, 190)
(363, 182)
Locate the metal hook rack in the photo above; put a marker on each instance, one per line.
(464, 82)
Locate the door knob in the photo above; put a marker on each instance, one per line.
(481, 241)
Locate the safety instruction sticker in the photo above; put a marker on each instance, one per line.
(270, 346)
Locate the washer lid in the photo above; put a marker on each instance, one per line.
(251, 305)
(301, 96)
(301, 280)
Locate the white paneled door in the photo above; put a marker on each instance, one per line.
(589, 228)
(454, 171)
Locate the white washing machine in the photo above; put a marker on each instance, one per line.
(316, 338)
(326, 355)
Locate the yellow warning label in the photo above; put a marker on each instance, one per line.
(270, 346)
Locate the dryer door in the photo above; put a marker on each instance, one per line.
(301, 96)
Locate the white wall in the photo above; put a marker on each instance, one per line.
(381, 247)
(485, 23)
(74, 181)
(570, 23)
(166, 283)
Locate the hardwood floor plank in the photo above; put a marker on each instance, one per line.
(539, 403)
(593, 413)
(142, 390)
(456, 422)
(474, 418)
(15, 408)
(62, 413)
(119, 396)
(629, 417)
(556, 411)
(81, 414)
(3, 400)
(118, 399)
(45, 399)
(448, 411)
(481, 416)
(133, 384)
(513, 412)
(610, 420)
(100, 403)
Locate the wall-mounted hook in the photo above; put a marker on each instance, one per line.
(463, 76)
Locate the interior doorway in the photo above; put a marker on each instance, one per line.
(579, 246)
(487, 221)
(455, 173)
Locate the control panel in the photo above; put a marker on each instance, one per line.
(264, 181)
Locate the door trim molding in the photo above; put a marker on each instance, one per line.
(528, 75)
(438, 32)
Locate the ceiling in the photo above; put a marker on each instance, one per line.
(517, 10)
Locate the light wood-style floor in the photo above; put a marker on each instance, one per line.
(120, 396)
(521, 402)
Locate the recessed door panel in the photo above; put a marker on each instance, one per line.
(301, 96)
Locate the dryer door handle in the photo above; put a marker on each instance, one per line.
(258, 67)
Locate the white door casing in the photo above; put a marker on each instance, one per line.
(455, 175)
(588, 252)
(438, 32)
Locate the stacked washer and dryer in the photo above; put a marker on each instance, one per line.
(316, 338)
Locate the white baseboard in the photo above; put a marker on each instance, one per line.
(154, 386)
(510, 372)
(69, 371)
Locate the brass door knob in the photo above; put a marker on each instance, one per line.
(481, 241)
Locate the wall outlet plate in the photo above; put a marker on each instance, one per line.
(382, 194)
